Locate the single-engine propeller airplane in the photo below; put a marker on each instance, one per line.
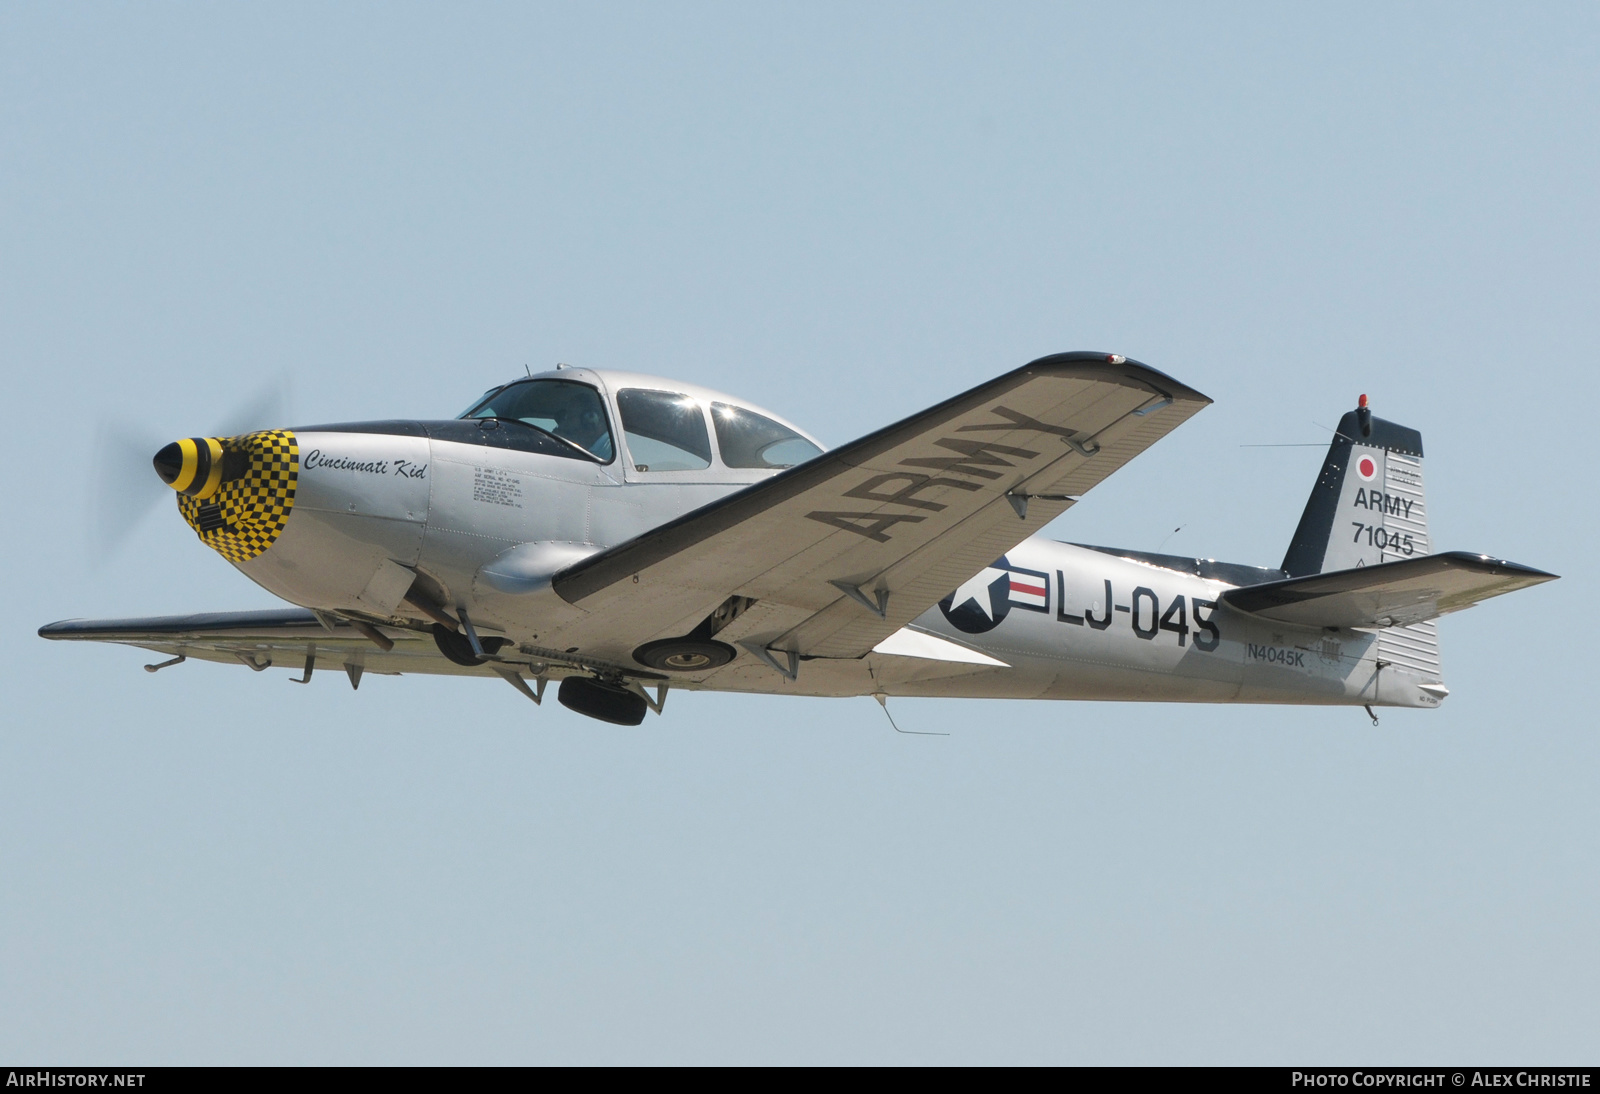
(621, 533)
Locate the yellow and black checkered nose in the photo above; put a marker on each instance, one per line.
(192, 466)
(235, 492)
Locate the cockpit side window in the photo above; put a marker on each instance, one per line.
(666, 431)
(564, 408)
(748, 439)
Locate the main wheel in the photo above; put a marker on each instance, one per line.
(598, 699)
(684, 654)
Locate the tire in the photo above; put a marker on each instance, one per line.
(684, 655)
(597, 699)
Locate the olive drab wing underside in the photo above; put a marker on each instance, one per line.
(833, 556)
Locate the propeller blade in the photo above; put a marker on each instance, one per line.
(268, 408)
(124, 490)
(124, 487)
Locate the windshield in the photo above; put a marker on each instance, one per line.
(748, 439)
(474, 404)
(563, 408)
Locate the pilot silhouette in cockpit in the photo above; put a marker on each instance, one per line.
(583, 422)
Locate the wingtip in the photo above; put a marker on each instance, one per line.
(1478, 560)
(1138, 371)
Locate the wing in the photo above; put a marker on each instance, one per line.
(831, 557)
(261, 639)
(1400, 593)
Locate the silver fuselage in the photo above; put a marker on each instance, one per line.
(448, 508)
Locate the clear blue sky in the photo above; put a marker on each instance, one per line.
(844, 212)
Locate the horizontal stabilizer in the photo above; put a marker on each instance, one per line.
(1390, 594)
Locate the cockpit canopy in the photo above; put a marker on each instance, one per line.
(665, 426)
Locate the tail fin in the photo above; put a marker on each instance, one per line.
(1367, 508)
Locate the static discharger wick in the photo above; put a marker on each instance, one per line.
(883, 701)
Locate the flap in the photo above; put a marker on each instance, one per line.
(841, 552)
(1393, 594)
